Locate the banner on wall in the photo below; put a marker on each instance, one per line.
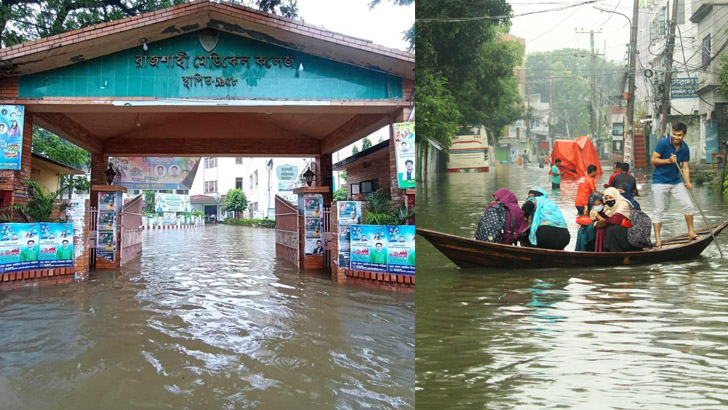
(171, 203)
(404, 141)
(369, 248)
(348, 213)
(11, 136)
(287, 177)
(109, 207)
(155, 172)
(401, 249)
(28, 246)
(56, 245)
(313, 208)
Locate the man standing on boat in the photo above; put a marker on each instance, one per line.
(666, 177)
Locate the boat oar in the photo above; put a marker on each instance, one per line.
(699, 209)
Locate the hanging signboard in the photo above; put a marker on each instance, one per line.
(11, 136)
(287, 177)
(348, 213)
(155, 172)
(171, 203)
(404, 142)
(401, 249)
(684, 87)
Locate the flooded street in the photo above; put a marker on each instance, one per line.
(207, 319)
(639, 337)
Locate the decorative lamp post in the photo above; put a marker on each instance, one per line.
(110, 175)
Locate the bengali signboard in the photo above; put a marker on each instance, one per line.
(684, 87)
(313, 208)
(155, 172)
(401, 249)
(287, 177)
(369, 248)
(348, 213)
(11, 136)
(171, 203)
(28, 246)
(404, 140)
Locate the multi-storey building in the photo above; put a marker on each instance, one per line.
(261, 179)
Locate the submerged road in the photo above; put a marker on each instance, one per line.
(625, 337)
(207, 319)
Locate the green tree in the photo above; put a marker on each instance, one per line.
(56, 148)
(149, 202)
(341, 194)
(723, 75)
(235, 201)
(366, 143)
(354, 150)
(40, 206)
(22, 20)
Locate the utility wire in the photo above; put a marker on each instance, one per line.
(466, 19)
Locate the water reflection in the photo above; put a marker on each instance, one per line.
(607, 337)
(208, 319)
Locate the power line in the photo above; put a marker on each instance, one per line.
(467, 19)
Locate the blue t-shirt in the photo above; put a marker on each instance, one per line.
(556, 179)
(668, 173)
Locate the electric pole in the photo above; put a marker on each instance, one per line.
(592, 82)
(668, 67)
(631, 76)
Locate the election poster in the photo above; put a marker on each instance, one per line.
(348, 213)
(109, 207)
(405, 152)
(313, 208)
(11, 136)
(369, 248)
(155, 172)
(401, 249)
(19, 246)
(56, 245)
(287, 177)
(172, 202)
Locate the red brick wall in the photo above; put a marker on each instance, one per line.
(9, 87)
(366, 170)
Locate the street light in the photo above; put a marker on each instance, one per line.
(630, 73)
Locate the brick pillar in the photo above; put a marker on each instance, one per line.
(325, 173)
(99, 163)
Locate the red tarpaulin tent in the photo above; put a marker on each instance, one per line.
(575, 156)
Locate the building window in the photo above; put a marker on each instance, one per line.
(255, 177)
(355, 189)
(366, 187)
(250, 181)
(238, 183)
(238, 160)
(210, 187)
(210, 163)
(182, 192)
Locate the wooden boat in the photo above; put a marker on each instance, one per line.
(471, 253)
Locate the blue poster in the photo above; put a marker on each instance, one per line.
(11, 136)
(401, 249)
(19, 247)
(369, 248)
(56, 245)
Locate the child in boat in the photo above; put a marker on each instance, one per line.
(587, 234)
(547, 225)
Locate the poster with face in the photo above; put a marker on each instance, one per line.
(56, 245)
(348, 213)
(405, 153)
(107, 201)
(401, 249)
(313, 205)
(11, 136)
(369, 248)
(19, 246)
(155, 172)
(314, 246)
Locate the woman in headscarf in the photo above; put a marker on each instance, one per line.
(626, 190)
(547, 225)
(612, 233)
(508, 198)
(587, 234)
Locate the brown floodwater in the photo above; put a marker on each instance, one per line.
(641, 337)
(206, 319)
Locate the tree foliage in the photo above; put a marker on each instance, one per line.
(22, 20)
(56, 148)
(235, 201)
(723, 75)
(464, 71)
(41, 203)
(150, 200)
(572, 92)
(354, 150)
(366, 143)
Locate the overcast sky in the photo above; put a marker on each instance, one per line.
(384, 25)
(557, 29)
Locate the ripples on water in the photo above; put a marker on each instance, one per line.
(206, 319)
(625, 337)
